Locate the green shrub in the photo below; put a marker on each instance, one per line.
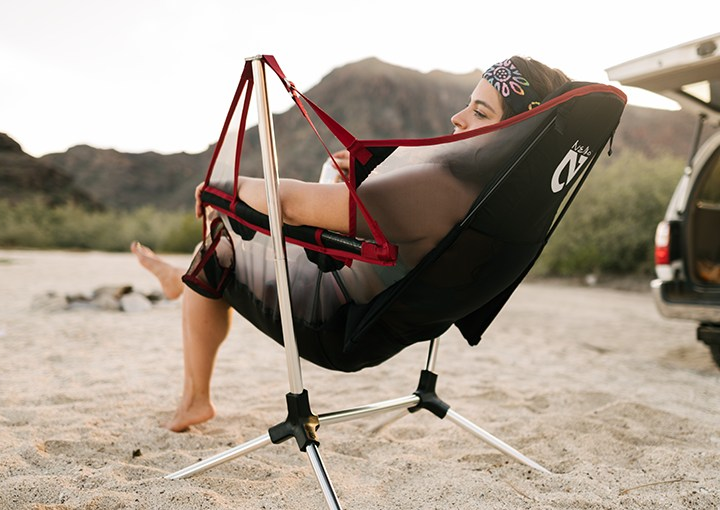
(185, 235)
(31, 224)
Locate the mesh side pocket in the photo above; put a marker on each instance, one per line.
(213, 264)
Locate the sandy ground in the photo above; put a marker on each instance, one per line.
(621, 405)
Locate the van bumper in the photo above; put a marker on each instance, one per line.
(676, 301)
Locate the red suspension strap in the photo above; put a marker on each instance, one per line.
(357, 151)
(380, 249)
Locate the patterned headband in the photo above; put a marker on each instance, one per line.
(512, 86)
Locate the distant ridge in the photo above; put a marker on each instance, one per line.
(23, 177)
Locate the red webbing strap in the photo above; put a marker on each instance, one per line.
(245, 84)
(343, 135)
(245, 79)
(357, 150)
(241, 129)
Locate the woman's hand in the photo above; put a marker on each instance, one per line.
(332, 173)
(342, 158)
(198, 202)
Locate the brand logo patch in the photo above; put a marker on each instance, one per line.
(573, 161)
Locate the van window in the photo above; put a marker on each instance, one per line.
(707, 92)
(700, 90)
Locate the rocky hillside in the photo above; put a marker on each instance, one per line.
(23, 177)
(370, 98)
(128, 181)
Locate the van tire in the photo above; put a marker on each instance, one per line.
(709, 334)
(715, 350)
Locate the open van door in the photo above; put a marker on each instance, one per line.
(688, 74)
(687, 242)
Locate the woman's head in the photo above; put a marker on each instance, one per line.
(508, 88)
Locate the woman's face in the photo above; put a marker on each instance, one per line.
(485, 108)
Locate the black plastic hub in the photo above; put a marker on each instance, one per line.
(428, 398)
(300, 423)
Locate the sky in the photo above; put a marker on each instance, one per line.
(158, 75)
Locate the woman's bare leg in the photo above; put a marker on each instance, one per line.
(169, 276)
(206, 323)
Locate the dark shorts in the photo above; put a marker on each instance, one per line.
(322, 344)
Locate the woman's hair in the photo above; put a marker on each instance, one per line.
(542, 78)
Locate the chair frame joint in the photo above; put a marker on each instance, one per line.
(300, 423)
(428, 397)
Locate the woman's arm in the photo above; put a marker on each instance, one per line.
(303, 203)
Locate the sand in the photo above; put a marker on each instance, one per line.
(621, 405)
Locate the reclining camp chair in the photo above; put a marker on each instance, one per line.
(526, 170)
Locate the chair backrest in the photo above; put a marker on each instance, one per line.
(541, 161)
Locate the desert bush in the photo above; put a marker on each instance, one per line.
(31, 224)
(183, 237)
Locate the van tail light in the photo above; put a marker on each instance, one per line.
(662, 243)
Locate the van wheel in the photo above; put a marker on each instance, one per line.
(715, 350)
(709, 333)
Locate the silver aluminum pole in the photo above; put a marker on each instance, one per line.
(325, 484)
(269, 157)
(432, 355)
(369, 410)
(492, 440)
(270, 172)
(221, 458)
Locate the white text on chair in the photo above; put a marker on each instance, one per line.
(573, 160)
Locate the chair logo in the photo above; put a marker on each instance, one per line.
(573, 161)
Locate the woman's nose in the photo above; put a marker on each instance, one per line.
(457, 121)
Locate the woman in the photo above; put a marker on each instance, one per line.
(506, 89)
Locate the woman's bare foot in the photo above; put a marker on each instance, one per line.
(192, 414)
(169, 276)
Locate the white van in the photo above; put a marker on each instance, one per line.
(687, 241)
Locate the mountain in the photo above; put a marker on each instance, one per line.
(128, 181)
(403, 103)
(370, 98)
(23, 177)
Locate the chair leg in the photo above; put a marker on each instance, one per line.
(254, 444)
(221, 458)
(493, 441)
(301, 423)
(429, 400)
(250, 446)
(322, 477)
(388, 421)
